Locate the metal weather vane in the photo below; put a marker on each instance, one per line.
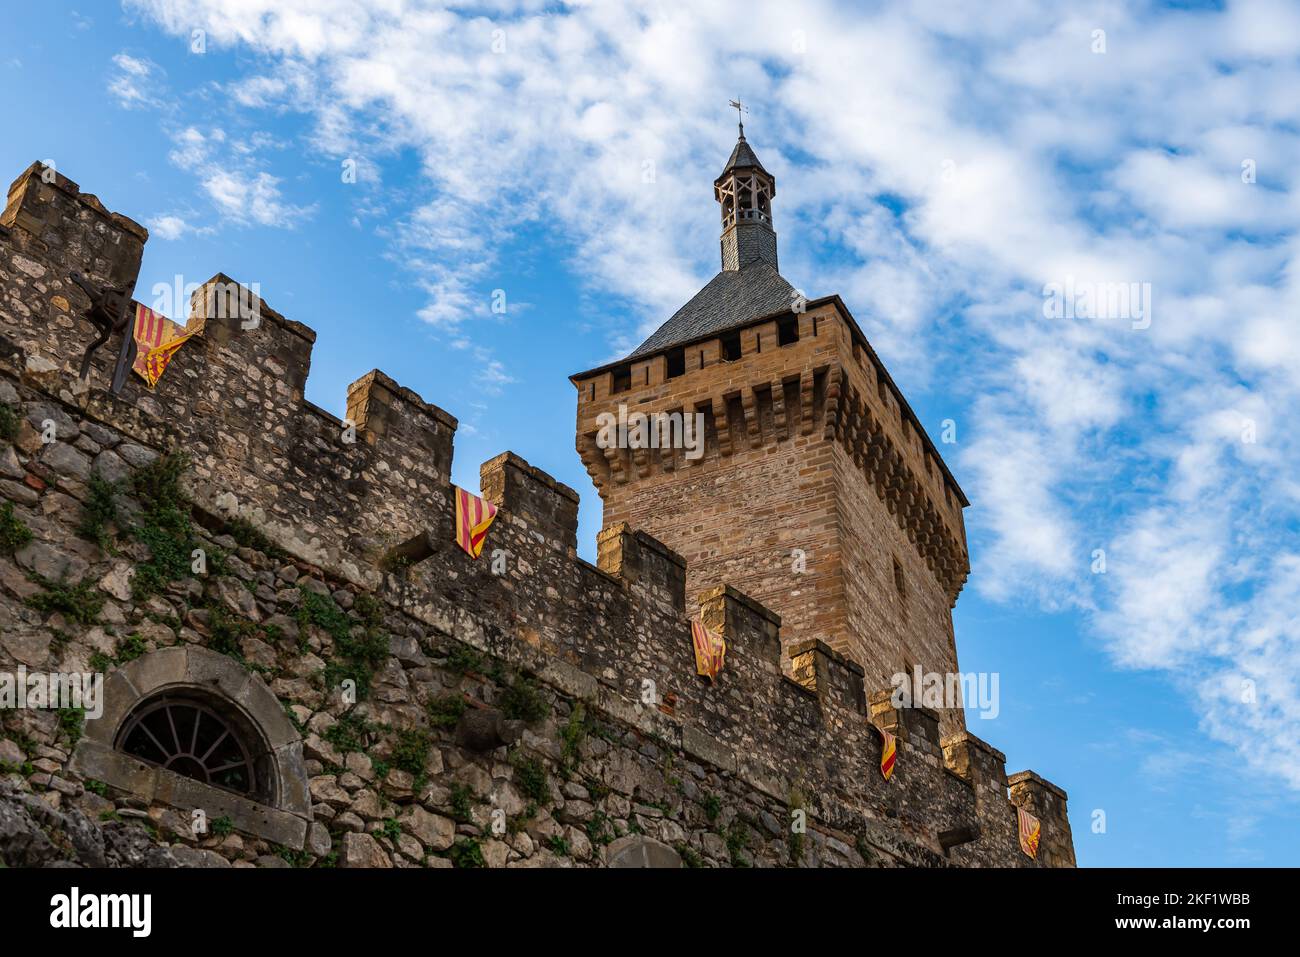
(740, 109)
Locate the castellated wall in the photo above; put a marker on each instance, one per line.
(542, 712)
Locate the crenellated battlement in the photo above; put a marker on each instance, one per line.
(364, 505)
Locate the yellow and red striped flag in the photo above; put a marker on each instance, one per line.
(1030, 831)
(156, 340)
(710, 650)
(888, 752)
(473, 516)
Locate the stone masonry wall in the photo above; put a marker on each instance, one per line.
(543, 712)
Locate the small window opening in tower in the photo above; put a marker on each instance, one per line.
(758, 342)
(675, 363)
(899, 582)
(913, 682)
(731, 347)
(622, 379)
(787, 331)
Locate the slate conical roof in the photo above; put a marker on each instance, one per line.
(742, 157)
(731, 298)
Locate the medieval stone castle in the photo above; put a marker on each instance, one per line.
(301, 668)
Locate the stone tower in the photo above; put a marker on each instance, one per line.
(818, 492)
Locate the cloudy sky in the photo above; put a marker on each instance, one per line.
(386, 170)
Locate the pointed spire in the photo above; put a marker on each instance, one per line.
(745, 190)
(743, 157)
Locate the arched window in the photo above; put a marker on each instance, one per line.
(191, 728)
(194, 738)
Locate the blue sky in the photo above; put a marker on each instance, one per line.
(936, 167)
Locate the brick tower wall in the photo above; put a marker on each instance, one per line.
(764, 487)
(894, 629)
(808, 447)
(888, 631)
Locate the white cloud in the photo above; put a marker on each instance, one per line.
(132, 66)
(256, 197)
(227, 173)
(169, 227)
(1187, 191)
(134, 83)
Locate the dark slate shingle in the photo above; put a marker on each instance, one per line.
(741, 157)
(731, 298)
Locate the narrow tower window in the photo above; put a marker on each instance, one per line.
(899, 581)
(675, 363)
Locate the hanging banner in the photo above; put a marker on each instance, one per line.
(157, 339)
(888, 752)
(1030, 832)
(710, 650)
(473, 516)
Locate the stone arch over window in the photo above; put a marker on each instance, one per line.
(194, 729)
(637, 850)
